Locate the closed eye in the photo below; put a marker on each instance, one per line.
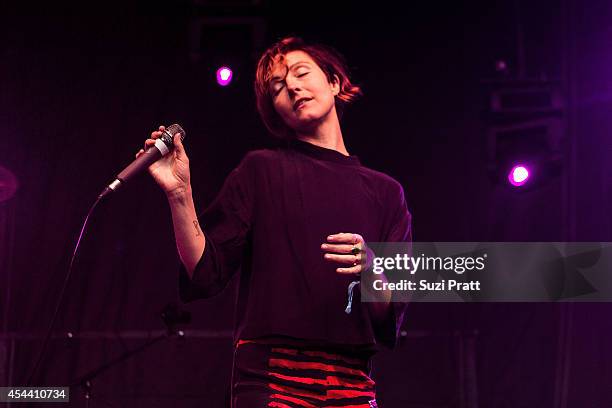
(277, 90)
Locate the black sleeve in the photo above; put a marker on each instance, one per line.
(399, 230)
(226, 224)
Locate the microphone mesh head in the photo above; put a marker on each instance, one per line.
(174, 129)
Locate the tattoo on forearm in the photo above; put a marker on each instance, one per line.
(195, 224)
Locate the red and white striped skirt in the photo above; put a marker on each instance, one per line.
(277, 374)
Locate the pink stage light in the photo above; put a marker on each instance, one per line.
(224, 76)
(518, 175)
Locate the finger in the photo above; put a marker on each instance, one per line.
(178, 144)
(140, 152)
(156, 134)
(148, 143)
(341, 248)
(345, 237)
(353, 269)
(343, 259)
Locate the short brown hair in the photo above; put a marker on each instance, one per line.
(330, 62)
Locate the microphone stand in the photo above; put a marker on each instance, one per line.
(171, 316)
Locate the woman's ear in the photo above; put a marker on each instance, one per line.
(335, 85)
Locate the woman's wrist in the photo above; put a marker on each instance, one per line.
(179, 195)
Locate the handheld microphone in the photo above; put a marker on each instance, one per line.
(162, 147)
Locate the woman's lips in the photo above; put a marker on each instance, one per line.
(301, 103)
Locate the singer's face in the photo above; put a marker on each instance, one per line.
(301, 92)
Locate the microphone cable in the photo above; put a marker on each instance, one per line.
(61, 296)
(134, 168)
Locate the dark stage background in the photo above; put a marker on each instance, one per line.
(78, 96)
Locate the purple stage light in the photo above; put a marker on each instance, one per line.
(501, 66)
(8, 184)
(224, 76)
(518, 175)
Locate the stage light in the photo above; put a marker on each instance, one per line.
(224, 76)
(8, 184)
(518, 175)
(501, 66)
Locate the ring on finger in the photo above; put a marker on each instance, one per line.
(355, 250)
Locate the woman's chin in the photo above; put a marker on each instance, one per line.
(307, 122)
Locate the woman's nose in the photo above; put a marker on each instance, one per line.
(292, 84)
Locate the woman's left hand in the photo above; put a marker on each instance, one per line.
(347, 249)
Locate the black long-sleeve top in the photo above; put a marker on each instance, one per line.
(270, 219)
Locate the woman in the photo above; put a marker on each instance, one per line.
(294, 221)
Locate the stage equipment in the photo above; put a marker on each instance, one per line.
(524, 124)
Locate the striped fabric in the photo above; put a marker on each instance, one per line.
(269, 374)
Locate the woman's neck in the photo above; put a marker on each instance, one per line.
(327, 134)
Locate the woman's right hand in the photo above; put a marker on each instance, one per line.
(171, 172)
